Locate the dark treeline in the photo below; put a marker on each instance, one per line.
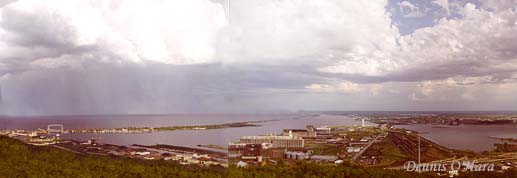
(20, 160)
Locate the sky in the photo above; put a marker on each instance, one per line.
(61, 57)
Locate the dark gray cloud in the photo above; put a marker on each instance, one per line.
(33, 29)
(153, 88)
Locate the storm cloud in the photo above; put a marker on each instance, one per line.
(156, 57)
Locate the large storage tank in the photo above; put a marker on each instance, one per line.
(300, 156)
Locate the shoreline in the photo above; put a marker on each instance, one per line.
(139, 130)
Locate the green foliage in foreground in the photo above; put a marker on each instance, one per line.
(20, 160)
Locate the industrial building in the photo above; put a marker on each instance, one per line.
(288, 141)
(237, 150)
(296, 155)
(323, 131)
(252, 151)
(309, 132)
(267, 146)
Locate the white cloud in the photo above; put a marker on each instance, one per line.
(499, 5)
(296, 31)
(465, 88)
(197, 31)
(173, 32)
(444, 4)
(342, 87)
(348, 87)
(480, 43)
(412, 10)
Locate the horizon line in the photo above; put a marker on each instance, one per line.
(257, 113)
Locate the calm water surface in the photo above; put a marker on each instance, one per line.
(465, 137)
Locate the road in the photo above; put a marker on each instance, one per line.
(66, 149)
(364, 149)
